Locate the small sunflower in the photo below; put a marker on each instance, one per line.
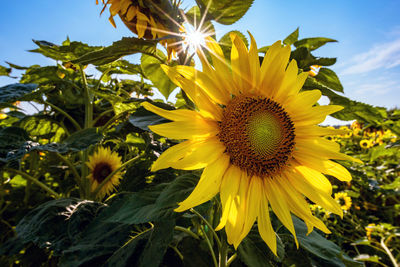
(3, 116)
(344, 200)
(257, 137)
(365, 143)
(314, 69)
(142, 21)
(101, 164)
(369, 229)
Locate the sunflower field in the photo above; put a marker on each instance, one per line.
(238, 171)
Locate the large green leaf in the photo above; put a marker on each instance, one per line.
(225, 11)
(55, 223)
(305, 59)
(14, 92)
(82, 139)
(321, 248)
(313, 43)
(142, 118)
(155, 204)
(151, 67)
(11, 138)
(146, 249)
(254, 252)
(43, 127)
(292, 38)
(329, 78)
(68, 51)
(226, 43)
(126, 46)
(353, 110)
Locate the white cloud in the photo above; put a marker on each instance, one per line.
(384, 55)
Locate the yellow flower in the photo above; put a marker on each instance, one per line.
(101, 164)
(344, 200)
(356, 125)
(257, 137)
(3, 116)
(365, 143)
(142, 21)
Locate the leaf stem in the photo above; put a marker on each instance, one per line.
(209, 226)
(34, 180)
(231, 259)
(187, 231)
(387, 250)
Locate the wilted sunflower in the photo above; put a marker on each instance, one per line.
(257, 137)
(344, 200)
(142, 21)
(101, 164)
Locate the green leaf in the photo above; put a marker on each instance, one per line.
(320, 247)
(254, 252)
(43, 127)
(54, 224)
(226, 43)
(155, 204)
(66, 52)
(11, 138)
(142, 118)
(292, 38)
(313, 43)
(329, 78)
(126, 46)
(353, 110)
(200, 22)
(392, 186)
(14, 92)
(151, 67)
(146, 249)
(305, 59)
(4, 71)
(225, 12)
(82, 139)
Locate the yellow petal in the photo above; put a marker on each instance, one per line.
(304, 99)
(208, 185)
(267, 233)
(311, 116)
(175, 153)
(131, 14)
(279, 205)
(315, 177)
(240, 64)
(173, 115)
(252, 205)
(186, 129)
(313, 193)
(204, 154)
(229, 189)
(288, 86)
(312, 131)
(254, 63)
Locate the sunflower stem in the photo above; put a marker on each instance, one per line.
(101, 115)
(88, 123)
(209, 226)
(389, 253)
(74, 172)
(231, 259)
(108, 178)
(209, 246)
(223, 253)
(34, 180)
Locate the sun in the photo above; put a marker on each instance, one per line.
(193, 38)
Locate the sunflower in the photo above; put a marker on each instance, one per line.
(256, 136)
(365, 143)
(314, 69)
(142, 21)
(101, 164)
(344, 200)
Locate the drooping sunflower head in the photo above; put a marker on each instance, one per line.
(344, 200)
(101, 164)
(147, 19)
(255, 133)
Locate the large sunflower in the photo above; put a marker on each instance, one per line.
(256, 136)
(101, 164)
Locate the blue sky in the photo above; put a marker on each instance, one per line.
(368, 32)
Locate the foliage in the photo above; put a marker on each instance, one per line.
(50, 217)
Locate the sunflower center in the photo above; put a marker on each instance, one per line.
(258, 134)
(342, 202)
(101, 171)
